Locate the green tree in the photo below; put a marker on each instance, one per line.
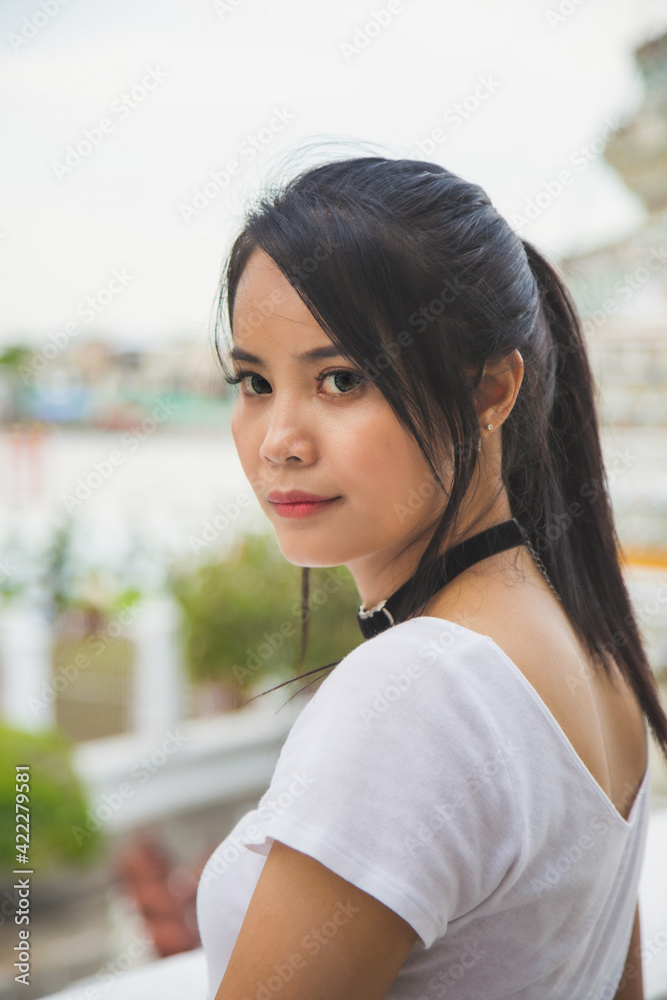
(15, 356)
(56, 802)
(242, 616)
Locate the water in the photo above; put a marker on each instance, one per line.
(166, 494)
(145, 497)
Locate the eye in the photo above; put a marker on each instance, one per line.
(240, 377)
(341, 375)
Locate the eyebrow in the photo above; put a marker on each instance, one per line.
(317, 354)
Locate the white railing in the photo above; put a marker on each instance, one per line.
(30, 686)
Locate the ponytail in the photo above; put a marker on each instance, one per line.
(565, 507)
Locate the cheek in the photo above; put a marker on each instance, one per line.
(236, 437)
(389, 462)
(241, 432)
(243, 442)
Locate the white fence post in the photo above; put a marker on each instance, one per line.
(159, 688)
(26, 651)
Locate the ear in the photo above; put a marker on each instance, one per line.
(498, 388)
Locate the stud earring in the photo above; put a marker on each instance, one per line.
(489, 427)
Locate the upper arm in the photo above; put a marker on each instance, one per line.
(310, 933)
(631, 986)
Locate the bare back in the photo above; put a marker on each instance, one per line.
(602, 719)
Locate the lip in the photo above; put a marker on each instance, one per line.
(295, 496)
(296, 504)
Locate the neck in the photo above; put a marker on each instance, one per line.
(479, 547)
(377, 580)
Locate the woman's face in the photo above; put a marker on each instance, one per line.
(320, 427)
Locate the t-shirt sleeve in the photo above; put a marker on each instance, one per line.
(393, 777)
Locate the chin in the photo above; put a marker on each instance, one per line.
(314, 556)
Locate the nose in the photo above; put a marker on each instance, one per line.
(288, 435)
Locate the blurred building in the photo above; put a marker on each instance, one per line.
(93, 383)
(639, 150)
(621, 288)
(621, 292)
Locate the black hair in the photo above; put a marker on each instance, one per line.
(415, 276)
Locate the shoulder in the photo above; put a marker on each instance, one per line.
(427, 683)
(413, 646)
(413, 655)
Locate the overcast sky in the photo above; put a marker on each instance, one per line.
(113, 113)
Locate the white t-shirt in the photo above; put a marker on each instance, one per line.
(427, 771)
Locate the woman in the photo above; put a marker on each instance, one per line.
(461, 808)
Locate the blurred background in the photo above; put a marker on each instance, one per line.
(143, 599)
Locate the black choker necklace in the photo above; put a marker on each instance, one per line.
(485, 543)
